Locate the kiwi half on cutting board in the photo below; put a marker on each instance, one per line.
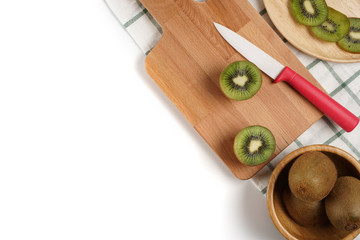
(240, 80)
(351, 42)
(334, 28)
(254, 145)
(309, 12)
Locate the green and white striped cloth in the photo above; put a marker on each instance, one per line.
(340, 80)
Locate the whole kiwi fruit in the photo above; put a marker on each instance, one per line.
(307, 214)
(351, 42)
(309, 12)
(343, 204)
(240, 80)
(334, 28)
(312, 176)
(254, 145)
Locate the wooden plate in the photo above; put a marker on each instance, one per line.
(301, 38)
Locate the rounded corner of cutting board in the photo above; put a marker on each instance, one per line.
(152, 53)
(146, 63)
(149, 58)
(242, 177)
(250, 171)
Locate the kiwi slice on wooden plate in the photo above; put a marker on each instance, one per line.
(254, 145)
(351, 42)
(240, 80)
(334, 28)
(309, 12)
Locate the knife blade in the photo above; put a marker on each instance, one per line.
(275, 70)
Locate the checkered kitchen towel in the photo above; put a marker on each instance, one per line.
(340, 80)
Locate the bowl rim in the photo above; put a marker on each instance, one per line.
(281, 165)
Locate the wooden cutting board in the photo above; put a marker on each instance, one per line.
(187, 62)
(301, 37)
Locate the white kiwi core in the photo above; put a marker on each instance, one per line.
(240, 80)
(328, 26)
(254, 145)
(354, 35)
(309, 7)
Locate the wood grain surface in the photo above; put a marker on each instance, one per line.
(301, 37)
(187, 62)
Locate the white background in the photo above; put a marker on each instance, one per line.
(91, 148)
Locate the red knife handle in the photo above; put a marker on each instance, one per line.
(343, 117)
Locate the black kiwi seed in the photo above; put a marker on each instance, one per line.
(351, 42)
(240, 80)
(309, 12)
(334, 28)
(254, 145)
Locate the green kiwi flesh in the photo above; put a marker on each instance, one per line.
(307, 214)
(343, 204)
(334, 28)
(312, 176)
(351, 42)
(254, 145)
(309, 12)
(240, 80)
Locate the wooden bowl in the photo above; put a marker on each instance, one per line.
(346, 165)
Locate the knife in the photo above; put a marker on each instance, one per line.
(343, 117)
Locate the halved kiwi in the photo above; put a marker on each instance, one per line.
(309, 12)
(254, 145)
(240, 80)
(351, 42)
(334, 28)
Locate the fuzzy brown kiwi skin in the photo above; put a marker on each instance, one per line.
(343, 204)
(312, 176)
(307, 214)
